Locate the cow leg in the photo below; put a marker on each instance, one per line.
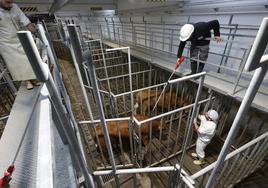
(145, 107)
(145, 148)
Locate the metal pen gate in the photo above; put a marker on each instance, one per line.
(170, 120)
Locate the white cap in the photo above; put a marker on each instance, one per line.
(213, 115)
(186, 32)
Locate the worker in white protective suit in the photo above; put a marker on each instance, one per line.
(205, 131)
(12, 19)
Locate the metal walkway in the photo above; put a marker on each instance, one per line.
(42, 155)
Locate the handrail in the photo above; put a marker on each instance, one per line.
(230, 155)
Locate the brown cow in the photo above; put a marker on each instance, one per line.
(122, 127)
(167, 99)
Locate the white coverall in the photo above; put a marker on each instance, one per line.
(10, 47)
(206, 131)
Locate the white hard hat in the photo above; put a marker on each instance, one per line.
(186, 32)
(213, 115)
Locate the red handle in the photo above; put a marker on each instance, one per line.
(179, 62)
(7, 176)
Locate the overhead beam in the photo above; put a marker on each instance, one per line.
(57, 5)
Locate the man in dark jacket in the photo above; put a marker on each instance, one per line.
(198, 35)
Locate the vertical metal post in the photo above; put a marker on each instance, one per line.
(105, 68)
(222, 58)
(49, 50)
(75, 42)
(49, 39)
(113, 28)
(76, 48)
(93, 78)
(145, 31)
(43, 75)
(108, 29)
(244, 60)
(189, 129)
(171, 41)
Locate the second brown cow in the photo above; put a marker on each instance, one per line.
(120, 130)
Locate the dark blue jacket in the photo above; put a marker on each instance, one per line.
(201, 31)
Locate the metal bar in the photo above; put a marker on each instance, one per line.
(43, 75)
(112, 66)
(242, 162)
(3, 118)
(74, 42)
(169, 133)
(230, 155)
(242, 134)
(97, 96)
(76, 47)
(230, 43)
(258, 48)
(223, 171)
(105, 68)
(170, 112)
(140, 154)
(137, 90)
(178, 133)
(101, 91)
(247, 155)
(160, 136)
(3, 73)
(124, 75)
(150, 143)
(225, 47)
(135, 170)
(87, 78)
(261, 156)
(255, 159)
(231, 170)
(245, 55)
(170, 82)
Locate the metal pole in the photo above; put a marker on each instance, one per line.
(76, 48)
(93, 78)
(49, 50)
(75, 42)
(249, 96)
(198, 94)
(42, 73)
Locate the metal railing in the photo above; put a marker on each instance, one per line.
(237, 164)
(65, 122)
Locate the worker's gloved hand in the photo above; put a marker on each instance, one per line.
(179, 61)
